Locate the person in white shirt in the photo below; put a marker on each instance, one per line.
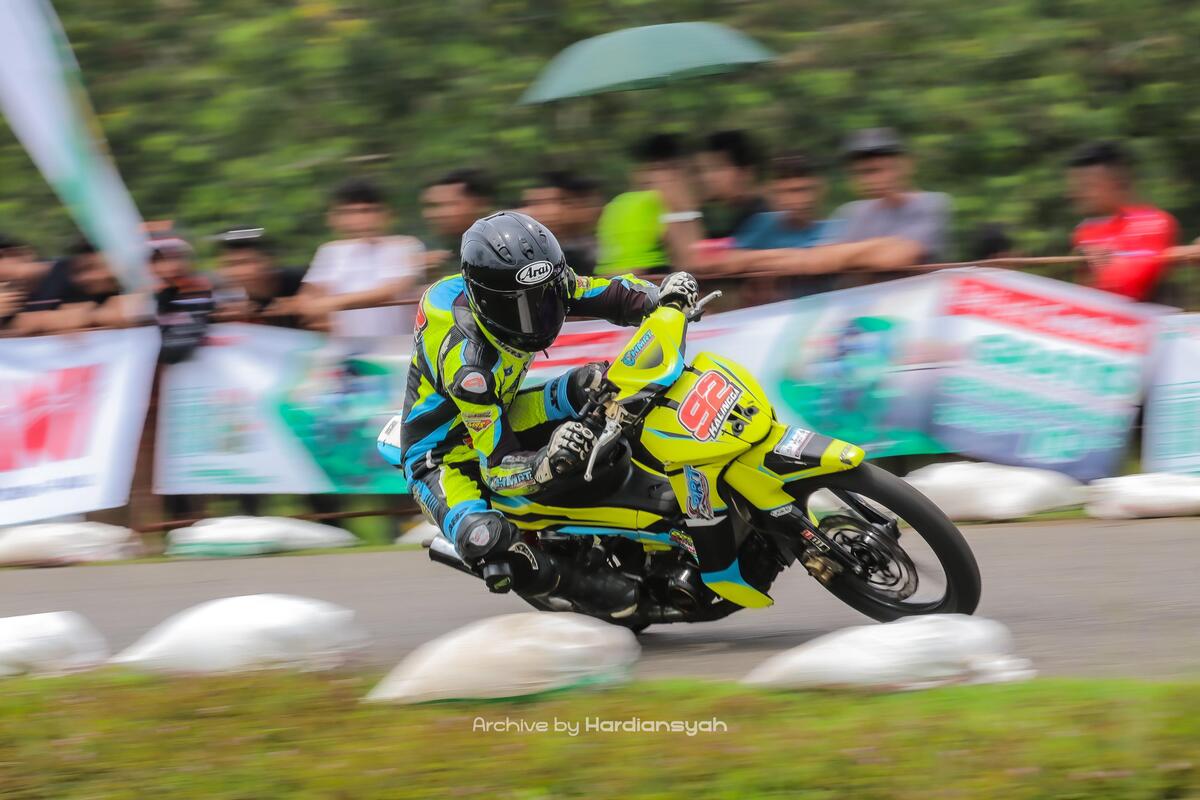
(351, 276)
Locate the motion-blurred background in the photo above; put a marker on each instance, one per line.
(312, 165)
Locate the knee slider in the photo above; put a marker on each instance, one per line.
(484, 534)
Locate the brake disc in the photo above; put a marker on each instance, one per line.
(887, 569)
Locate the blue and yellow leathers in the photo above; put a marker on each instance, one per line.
(468, 430)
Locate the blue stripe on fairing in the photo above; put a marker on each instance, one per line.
(732, 574)
(510, 501)
(669, 435)
(586, 530)
(455, 517)
(390, 453)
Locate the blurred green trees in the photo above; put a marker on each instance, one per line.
(223, 112)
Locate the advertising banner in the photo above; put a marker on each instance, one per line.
(1171, 436)
(858, 364)
(261, 410)
(1042, 373)
(71, 413)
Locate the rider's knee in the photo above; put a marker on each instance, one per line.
(483, 535)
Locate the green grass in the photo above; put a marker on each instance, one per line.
(271, 735)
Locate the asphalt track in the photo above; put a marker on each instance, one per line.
(1082, 598)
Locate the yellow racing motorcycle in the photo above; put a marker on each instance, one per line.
(696, 490)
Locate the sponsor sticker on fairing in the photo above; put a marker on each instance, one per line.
(706, 407)
(782, 511)
(699, 498)
(793, 442)
(631, 355)
(683, 540)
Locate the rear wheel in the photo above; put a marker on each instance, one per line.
(912, 559)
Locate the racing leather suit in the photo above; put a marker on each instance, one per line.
(468, 429)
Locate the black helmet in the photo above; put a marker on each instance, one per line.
(516, 278)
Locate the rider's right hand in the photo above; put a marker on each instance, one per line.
(568, 451)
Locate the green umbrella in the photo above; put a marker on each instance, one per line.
(641, 58)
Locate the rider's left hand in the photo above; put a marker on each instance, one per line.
(679, 289)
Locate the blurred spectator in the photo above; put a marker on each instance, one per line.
(250, 282)
(20, 273)
(450, 205)
(882, 174)
(796, 192)
(795, 196)
(569, 206)
(79, 291)
(990, 241)
(728, 165)
(1125, 240)
(656, 223)
(351, 276)
(183, 298)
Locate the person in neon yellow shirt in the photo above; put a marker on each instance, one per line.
(655, 224)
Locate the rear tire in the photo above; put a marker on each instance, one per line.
(927, 521)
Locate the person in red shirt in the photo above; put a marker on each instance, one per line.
(1124, 241)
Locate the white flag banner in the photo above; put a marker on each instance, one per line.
(42, 96)
(71, 413)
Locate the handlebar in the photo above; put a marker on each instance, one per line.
(612, 428)
(698, 310)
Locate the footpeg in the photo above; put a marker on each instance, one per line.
(498, 576)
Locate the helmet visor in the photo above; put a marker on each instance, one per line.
(528, 319)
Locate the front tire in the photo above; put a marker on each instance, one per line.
(869, 482)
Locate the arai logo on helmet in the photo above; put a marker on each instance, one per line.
(536, 272)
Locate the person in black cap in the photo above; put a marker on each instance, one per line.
(882, 174)
(250, 282)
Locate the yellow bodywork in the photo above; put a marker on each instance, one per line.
(717, 422)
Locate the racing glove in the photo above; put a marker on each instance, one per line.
(585, 381)
(679, 289)
(568, 451)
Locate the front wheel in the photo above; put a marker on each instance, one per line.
(912, 559)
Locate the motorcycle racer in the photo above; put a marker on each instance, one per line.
(469, 430)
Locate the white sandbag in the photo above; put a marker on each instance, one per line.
(1156, 494)
(62, 543)
(250, 632)
(911, 653)
(49, 644)
(511, 656)
(970, 491)
(419, 533)
(231, 537)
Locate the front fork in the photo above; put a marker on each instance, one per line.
(762, 476)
